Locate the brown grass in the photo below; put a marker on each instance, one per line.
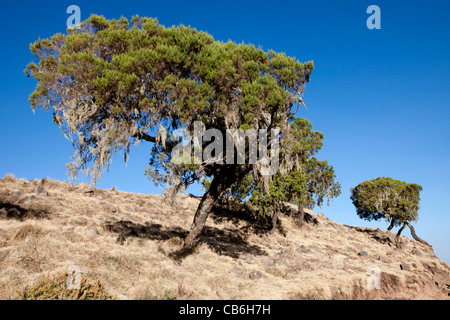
(136, 250)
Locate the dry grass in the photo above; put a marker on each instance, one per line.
(133, 244)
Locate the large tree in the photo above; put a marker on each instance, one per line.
(393, 200)
(113, 83)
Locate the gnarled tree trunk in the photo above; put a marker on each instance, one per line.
(397, 236)
(274, 217)
(203, 210)
(223, 179)
(301, 216)
(274, 222)
(391, 225)
(414, 235)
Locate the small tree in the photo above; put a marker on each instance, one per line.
(112, 85)
(385, 198)
(301, 180)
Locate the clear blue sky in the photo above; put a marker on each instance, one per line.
(381, 97)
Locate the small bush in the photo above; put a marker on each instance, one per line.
(55, 288)
(147, 294)
(167, 295)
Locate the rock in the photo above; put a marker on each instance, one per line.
(255, 274)
(405, 266)
(3, 255)
(357, 246)
(110, 207)
(268, 262)
(439, 282)
(416, 252)
(247, 257)
(32, 197)
(384, 259)
(238, 272)
(13, 213)
(303, 249)
(431, 266)
(363, 254)
(320, 214)
(40, 191)
(94, 230)
(89, 191)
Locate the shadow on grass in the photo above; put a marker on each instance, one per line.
(376, 234)
(10, 210)
(223, 242)
(238, 213)
(126, 229)
(229, 243)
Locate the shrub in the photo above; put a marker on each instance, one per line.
(55, 288)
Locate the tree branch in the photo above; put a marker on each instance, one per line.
(144, 136)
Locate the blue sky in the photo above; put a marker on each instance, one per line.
(381, 97)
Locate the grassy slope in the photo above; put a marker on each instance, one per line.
(145, 259)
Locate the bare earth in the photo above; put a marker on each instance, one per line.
(133, 243)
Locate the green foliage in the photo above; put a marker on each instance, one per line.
(114, 83)
(302, 179)
(55, 288)
(121, 79)
(147, 294)
(168, 295)
(387, 198)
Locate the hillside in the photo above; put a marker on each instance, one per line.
(133, 243)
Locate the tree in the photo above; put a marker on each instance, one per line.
(301, 179)
(113, 84)
(393, 200)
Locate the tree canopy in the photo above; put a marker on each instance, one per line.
(386, 198)
(114, 83)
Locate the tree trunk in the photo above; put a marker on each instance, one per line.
(223, 179)
(391, 225)
(301, 216)
(203, 210)
(274, 222)
(397, 236)
(414, 235)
